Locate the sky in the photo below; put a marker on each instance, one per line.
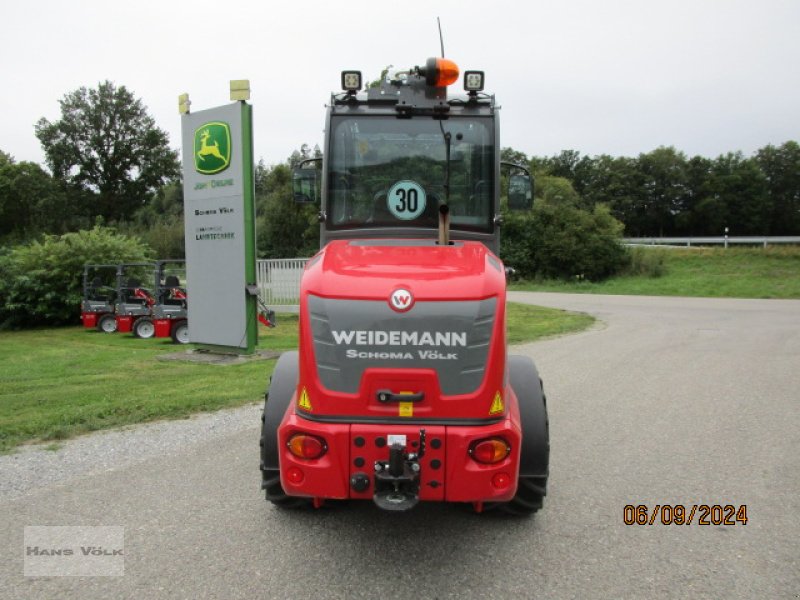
(601, 77)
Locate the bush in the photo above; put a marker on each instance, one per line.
(160, 223)
(650, 262)
(561, 241)
(164, 236)
(41, 282)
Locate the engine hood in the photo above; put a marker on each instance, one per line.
(374, 269)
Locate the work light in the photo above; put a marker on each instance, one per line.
(351, 81)
(473, 81)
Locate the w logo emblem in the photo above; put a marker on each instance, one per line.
(212, 148)
(401, 300)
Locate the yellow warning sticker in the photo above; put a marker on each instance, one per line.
(406, 409)
(304, 402)
(497, 406)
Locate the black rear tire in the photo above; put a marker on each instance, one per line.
(528, 499)
(535, 451)
(279, 394)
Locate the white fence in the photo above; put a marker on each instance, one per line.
(705, 241)
(279, 281)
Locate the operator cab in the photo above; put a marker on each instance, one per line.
(404, 159)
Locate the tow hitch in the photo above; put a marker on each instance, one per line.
(397, 480)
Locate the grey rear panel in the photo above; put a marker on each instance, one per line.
(351, 336)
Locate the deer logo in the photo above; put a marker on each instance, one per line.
(212, 148)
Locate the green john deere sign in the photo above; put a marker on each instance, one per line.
(212, 147)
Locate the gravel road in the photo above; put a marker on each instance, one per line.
(670, 401)
(41, 465)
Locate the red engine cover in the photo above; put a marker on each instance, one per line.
(349, 280)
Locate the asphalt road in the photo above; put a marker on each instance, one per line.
(667, 401)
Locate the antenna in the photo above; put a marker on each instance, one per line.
(441, 39)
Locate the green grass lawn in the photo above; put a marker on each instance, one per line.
(526, 323)
(57, 383)
(772, 272)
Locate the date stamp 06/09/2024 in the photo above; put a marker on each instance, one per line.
(685, 514)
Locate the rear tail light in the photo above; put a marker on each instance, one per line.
(489, 451)
(306, 446)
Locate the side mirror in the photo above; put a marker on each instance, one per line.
(520, 192)
(520, 187)
(305, 186)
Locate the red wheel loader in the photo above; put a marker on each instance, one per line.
(402, 389)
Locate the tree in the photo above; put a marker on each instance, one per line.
(618, 183)
(664, 193)
(738, 183)
(160, 223)
(699, 208)
(107, 143)
(571, 165)
(31, 201)
(513, 156)
(285, 228)
(304, 153)
(781, 167)
(557, 190)
(665, 188)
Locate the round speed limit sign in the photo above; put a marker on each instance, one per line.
(406, 200)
